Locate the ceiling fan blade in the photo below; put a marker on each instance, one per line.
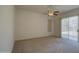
(56, 13)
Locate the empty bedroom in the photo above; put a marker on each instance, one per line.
(39, 28)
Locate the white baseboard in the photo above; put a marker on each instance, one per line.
(37, 37)
(5, 51)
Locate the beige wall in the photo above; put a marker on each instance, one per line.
(31, 25)
(71, 13)
(6, 28)
(57, 26)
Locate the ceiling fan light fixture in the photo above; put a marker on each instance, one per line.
(50, 12)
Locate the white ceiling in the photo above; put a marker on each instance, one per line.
(44, 8)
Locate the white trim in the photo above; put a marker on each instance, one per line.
(5, 51)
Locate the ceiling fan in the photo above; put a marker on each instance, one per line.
(52, 11)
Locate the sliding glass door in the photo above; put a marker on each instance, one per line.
(69, 28)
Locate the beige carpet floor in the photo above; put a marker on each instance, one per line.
(46, 45)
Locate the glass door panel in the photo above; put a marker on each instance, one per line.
(64, 28)
(73, 27)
